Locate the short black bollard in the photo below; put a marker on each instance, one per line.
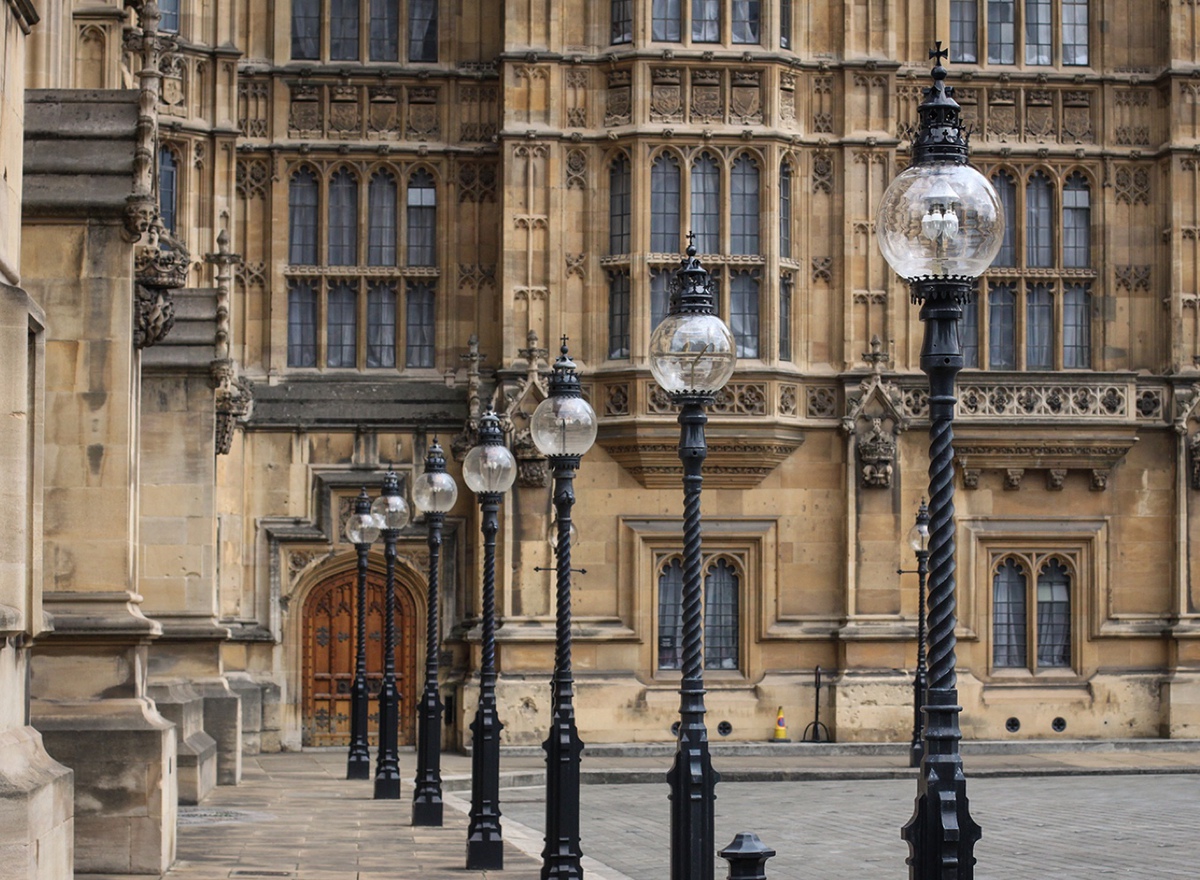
(747, 857)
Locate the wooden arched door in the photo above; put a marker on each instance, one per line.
(329, 651)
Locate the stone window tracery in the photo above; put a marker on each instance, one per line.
(722, 584)
(1037, 641)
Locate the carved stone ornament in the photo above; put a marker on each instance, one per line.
(877, 456)
(140, 214)
(153, 316)
(160, 265)
(234, 403)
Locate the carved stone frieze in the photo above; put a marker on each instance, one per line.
(306, 113)
(253, 107)
(477, 182)
(822, 402)
(707, 103)
(666, 95)
(619, 105)
(1008, 451)
(1107, 402)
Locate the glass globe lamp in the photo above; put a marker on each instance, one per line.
(362, 528)
(563, 426)
(390, 511)
(940, 220)
(918, 536)
(692, 352)
(490, 467)
(435, 492)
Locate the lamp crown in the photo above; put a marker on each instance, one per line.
(564, 380)
(435, 459)
(391, 483)
(692, 287)
(362, 504)
(923, 514)
(940, 136)
(489, 429)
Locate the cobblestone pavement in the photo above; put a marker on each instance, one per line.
(1066, 828)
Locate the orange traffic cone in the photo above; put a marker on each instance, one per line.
(780, 728)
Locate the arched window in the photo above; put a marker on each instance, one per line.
(419, 329)
(660, 295)
(1053, 615)
(666, 17)
(743, 313)
(422, 220)
(721, 617)
(743, 210)
(1002, 315)
(621, 13)
(785, 210)
(670, 616)
(618, 206)
(306, 30)
(342, 325)
(785, 316)
(343, 30)
(664, 205)
(706, 208)
(968, 332)
(1039, 222)
(1006, 189)
(169, 10)
(1008, 616)
(1049, 630)
(381, 324)
(381, 220)
(343, 218)
(1077, 223)
(1039, 327)
(168, 187)
(385, 30)
(747, 21)
(302, 218)
(302, 323)
(423, 30)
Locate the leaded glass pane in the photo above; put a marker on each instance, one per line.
(664, 205)
(1077, 327)
(1039, 217)
(343, 218)
(1038, 35)
(1002, 313)
(785, 24)
(743, 313)
(670, 616)
(381, 324)
(618, 315)
(1002, 32)
(743, 210)
(306, 30)
(341, 325)
(968, 332)
(1039, 328)
(302, 218)
(706, 208)
(1077, 223)
(1075, 32)
(964, 27)
(785, 318)
(1053, 616)
(1008, 616)
(385, 30)
(747, 15)
(1006, 189)
(706, 21)
(660, 295)
(168, 174)
(343, 30)
(381, 220)
(419, 325)
(622, 21)
(423, 30)
(721, 617)
(665, 20)
(422, 220)
(785, 210)
(302, 323)
(618, 207)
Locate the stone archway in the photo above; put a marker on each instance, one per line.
(328, 629)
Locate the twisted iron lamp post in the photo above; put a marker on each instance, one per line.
(940, 226)
(489, 470)
(692, 356)
(563, 428)
(918, 539)
(434, 494)
(391, 513)
(361, 530)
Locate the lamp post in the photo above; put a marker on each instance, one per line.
(918, 539)
(489, 470)
(434, 494)
(940, 226)
(391, 512)
(361, 530)
(692, 356)
(563, 428)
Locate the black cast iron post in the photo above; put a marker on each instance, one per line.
(387, 764)
(358, 764)
(920, 543)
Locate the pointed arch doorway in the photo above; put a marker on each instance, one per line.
(329, 651)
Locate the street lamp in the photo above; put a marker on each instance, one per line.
(563, 428)
(391, 512)
(489, 470)
(940, 226)
(434, 494)
(918, 539)
(362, 530)
(692, 356)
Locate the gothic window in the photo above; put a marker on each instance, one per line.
(664, 205)
(1001, 39)
(1008, 615)
(621, 12)
(385, 31)
(422, 220)
(785, 317)
(302, 218)
(619, 206)
(660, 295)
(1077, 327)
(785, 210)
(1077, 223)
(968, 332)
(1020, 29)
(1075, 32)
(1002, 322)
(963, 25)
(743, 212)
(365, 30)
(785, 24)
(722, 583)
(302, 323)
(1039, 328)
(342, 325)
(306, 30)
(343, 30)
(1039, 234)
(706, 21)
(169, 10)
(706, 209)
(381, 324)
(1006, 188)
(618, 315)
(1048, 629)
(168, 187)
(746, 21)
(1037, 32)
(743, 312)
(670, 616)
(420, 328)
(381, 220)
(343, 218)
(423, 30)
(665, 20)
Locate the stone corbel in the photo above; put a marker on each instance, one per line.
(1055, 478)
(234, 402)
(160, 266)
(970, 477)
(1014, 452)
(1013, 477)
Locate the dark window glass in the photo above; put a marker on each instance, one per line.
(1077, 327)
(622, 21)
(168, 173)
(423, 30)
(706, 21)
(306, 30)
(302, 323)
(385, 30)
(665, 18)
(785, 210)
(706, 208)
(1008, 616)
(964, 27)
(1039, 328)
(1002, 312)
(419, 327)
(664, 205)
(343, 218)
(169, 9)
(785, 318)
(381, 324)
(1037, 32)
(1077, 223)
(302, 219)
(1039, 220)
(422, 220)
(341, 325)
(381, 220)
(785, 24)
(1002, 32)
(968, 332)
(1053, 615)
(343, 30)
(746, 21)
(1006, 188)
(743, 313)
(743, 210)
(721, 617)
(618, 207)
(1075, 32)
(618, 315)
(660, 295)
(670, 616)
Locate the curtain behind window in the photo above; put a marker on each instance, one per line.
(1054, 615)
(423, 30)
(167, 188)
(1039, 234)
(664, 205)
(302, 323)
(1008, 616)
(306, 30)
(381, 324)
(706, 21)
(343, 218)
(422, 220)
(419, 328)
(1002, 307)
(721, 617)
(706, 210)
(343, 30)
(1039, 328)
(743, 210)
(665, 19)
(341, 325)
(302, 219)
(385, 30)
(743, 313)
(381, 220)
(1077, 327)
